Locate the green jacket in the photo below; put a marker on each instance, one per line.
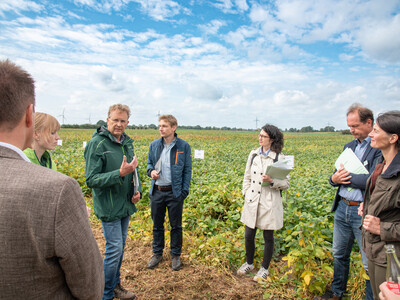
(31, 154)
(112, 194)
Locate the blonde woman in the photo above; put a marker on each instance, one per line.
(45, 138)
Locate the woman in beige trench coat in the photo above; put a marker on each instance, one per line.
(263, 204)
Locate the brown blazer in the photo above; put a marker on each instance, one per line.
(47, 248)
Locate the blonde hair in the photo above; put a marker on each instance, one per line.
(45, 124)
(121, 107)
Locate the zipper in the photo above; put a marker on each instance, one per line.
(176, 157)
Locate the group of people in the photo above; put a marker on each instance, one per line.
(43, 213)
(366, 206)
(47, 248)
(112, 173)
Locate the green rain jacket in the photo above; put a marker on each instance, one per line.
(112, 194)
(31, 154)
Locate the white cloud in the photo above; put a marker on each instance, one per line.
(270, 72)
(289, 97)
(160, 10)
(203, 90)
(18, 6)
(212, 27)
(381, 41)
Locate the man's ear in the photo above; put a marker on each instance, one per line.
(29, 116)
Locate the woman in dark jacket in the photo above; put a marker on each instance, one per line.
(381, 208)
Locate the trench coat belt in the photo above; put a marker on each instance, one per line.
(350, 203)
(165, 188)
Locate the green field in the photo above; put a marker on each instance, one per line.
(213, 234)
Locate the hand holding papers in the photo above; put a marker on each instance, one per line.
(280, 169)
(350, 163)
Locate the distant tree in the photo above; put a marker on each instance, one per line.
(307, 129)
(328, 129)
(152, 126)
(346, 131)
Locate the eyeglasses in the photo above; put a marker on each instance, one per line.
(263, 136)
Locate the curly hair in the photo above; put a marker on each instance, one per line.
(276, 136)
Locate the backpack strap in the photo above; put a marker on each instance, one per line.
(255, 154)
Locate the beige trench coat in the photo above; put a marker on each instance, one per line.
(262, 204)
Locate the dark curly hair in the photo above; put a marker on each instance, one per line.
(276, 136)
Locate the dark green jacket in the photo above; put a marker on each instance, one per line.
(112, 194)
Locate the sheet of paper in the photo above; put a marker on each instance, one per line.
(199, 154)
(350, 162)
(280, 169)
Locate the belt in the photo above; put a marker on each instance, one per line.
(165, 188)
(351, 203)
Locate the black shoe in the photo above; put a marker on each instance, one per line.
(154, 261)
(176, 263)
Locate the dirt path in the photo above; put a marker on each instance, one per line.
(193, 281)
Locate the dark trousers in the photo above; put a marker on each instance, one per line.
(249, 238)
(160, 202)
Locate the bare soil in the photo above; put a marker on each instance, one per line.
(193, 281)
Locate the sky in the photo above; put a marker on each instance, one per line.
(234, 63)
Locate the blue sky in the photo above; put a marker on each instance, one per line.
(219, 63)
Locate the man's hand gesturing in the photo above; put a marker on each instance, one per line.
(127, 168)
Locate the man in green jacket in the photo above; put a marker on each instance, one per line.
(112, 173)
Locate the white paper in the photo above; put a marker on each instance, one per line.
(199, 154)
(59, 142)
(280, 169)
(84, 144)
(350, 162)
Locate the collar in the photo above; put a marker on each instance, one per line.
(16, 149)
(365, 141)
(264, 153)
(394, 168)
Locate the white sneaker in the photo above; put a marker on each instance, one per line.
(261, 274)
(245, 268)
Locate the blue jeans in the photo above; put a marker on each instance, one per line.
(115, 233)
(160, 202)
(346, 228)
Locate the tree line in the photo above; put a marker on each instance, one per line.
(153, 126)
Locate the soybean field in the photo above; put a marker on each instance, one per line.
(213, 234)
